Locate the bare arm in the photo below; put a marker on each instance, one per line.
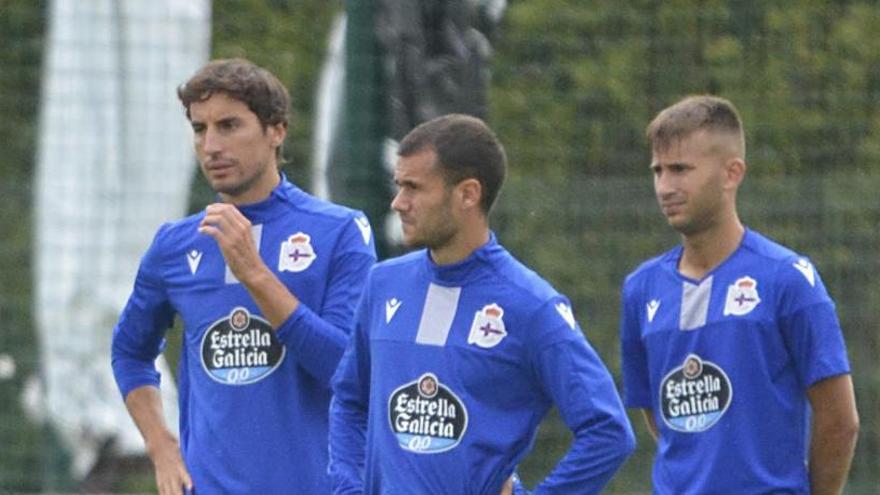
(834, 432)
(145, 406)
(652, 425)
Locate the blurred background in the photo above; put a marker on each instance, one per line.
(95, 154)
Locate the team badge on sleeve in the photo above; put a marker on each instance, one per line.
(742, 297)
(426, 417)
(487, 329)
(296, 254)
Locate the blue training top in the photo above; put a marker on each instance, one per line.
(253, 400)
(724, 364)
(451, 369)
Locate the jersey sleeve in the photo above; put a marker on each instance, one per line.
(348, 409)
(318, 337)
(809, 324)
(139, 336)
(575, 378)
(633, 356)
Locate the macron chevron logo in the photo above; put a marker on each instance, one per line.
(652, 308)
(364, 226)
(193, 258)
(565, 312)
(806, 269)
(391, 307)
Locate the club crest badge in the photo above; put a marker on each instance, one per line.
(487, 329)
(742, 297)
(296, 253)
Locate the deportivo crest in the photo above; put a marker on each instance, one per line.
(694, 396)
(240, 348)
(426, 417)
(742, 297)
(487, 330)
(296, 253)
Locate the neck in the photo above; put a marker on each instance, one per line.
(705, 250)
(259, 190)
(465, 242)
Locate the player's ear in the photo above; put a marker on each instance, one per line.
(277, 132)
(469, 192)
(735, 169)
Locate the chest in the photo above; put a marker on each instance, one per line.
(471, 339)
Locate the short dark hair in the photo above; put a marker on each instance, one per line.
(691, 114)
(243, 80)
(466, 148)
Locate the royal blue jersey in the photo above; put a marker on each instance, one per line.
(724, 364)
(449, 372)
(253, 400)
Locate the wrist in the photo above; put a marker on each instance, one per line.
(160, 443)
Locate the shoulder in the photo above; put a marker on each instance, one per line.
(792, 273)
(345, 228)
(178, 232)
(767, 249)
(530, 294)
(649, 268)
(391, 268)
(317, 208)
(778, 261)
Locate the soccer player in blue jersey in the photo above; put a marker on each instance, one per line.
(459, 350)
(730, 342)
(265, 281)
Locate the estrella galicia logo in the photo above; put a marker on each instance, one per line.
(426, 417)
(694, 396)
(240, 349)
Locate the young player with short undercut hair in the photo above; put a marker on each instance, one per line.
(730, 342)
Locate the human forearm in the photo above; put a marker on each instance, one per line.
(588, 403)
(145, 406)
(834, 432)
(273, 298)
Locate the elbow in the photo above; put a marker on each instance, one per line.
(623, 439)
(843, 432)
(628, 440)
(849, 431)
